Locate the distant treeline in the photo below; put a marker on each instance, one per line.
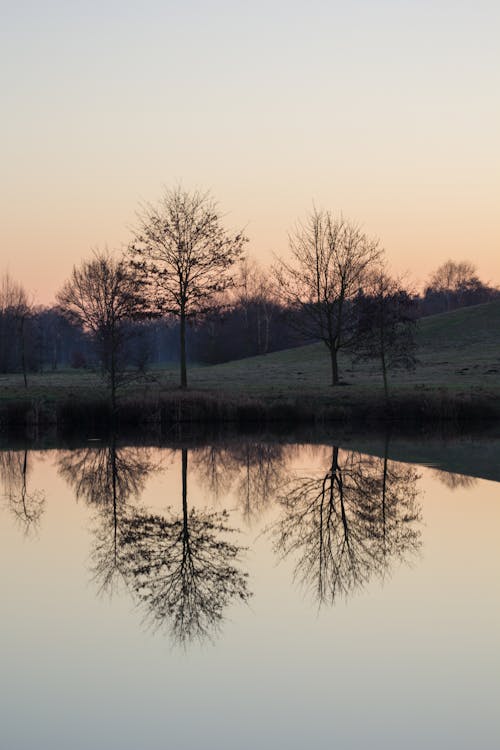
(248, 322)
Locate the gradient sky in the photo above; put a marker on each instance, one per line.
(388, 111)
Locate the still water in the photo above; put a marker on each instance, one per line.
(247, 595)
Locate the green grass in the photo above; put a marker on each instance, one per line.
(458, 353)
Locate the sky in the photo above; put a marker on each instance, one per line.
(387, 112)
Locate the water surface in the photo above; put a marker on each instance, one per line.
(245, 595)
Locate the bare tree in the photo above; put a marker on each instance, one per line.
(183, 251)
(330, 259)
(255, 298)
(455, 281)
(385, 324)
(15, 311)
(103, 295)
(451, 275)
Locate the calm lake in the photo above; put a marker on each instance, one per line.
(250, 595)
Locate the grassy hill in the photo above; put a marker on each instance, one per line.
(458, 351)
(458, 359)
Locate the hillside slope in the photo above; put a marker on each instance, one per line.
(456, 350)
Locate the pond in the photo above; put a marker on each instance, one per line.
(245, 594)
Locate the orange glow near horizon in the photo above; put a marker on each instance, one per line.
(384, 113)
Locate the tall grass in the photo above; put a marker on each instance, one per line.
(197, 408)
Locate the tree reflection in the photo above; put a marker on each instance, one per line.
(454, 481)
(107, 476)
(349, 523)
(181, 567)
(254, 470)
(27, 505)
(261, 476)
(216, 469)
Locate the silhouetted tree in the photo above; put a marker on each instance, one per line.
(184, 253)
(385, 324)
(330, 260)
(456, 284)
(103, 295)
(255, 298)
(15, 311)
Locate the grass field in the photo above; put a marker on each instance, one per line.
(458, 358)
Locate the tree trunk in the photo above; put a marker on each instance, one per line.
(114, 477)
(382, 355)
(384, 373)
(23, 354)
(112, 377)
(185, 522)
(183, 349)
(335, 367)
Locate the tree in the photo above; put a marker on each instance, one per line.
(184, 253)
(452, 275)
(330, 260)
(103, 295)
(15, 311)
(254, 298)
(456, 284)
(384, 314)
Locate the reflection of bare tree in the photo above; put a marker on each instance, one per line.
(183, 568)
(261, 476)
(348, 524)
(454, 481)
(107, 476)
(257, 469)
(27, 505)
(215, 468)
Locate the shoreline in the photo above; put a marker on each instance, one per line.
(69, 415)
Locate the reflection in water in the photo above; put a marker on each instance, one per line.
(341, 519)
(254, 470)
(342, 526)
(106, 475)
(348, 524)
(454, 481)
(27, 505)
(181, 567)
